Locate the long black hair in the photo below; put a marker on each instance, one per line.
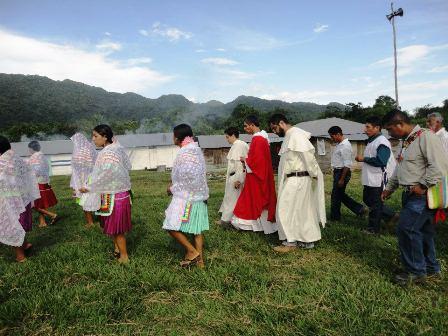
(34, 145)
(4, 145)
(182, 131)
(105, 131)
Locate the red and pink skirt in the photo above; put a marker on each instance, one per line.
(119, 221)
(47, 197)
(26, 219)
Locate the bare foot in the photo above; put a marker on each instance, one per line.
(21, 260)
(42, 225)
(123, 260)
(89, 225)
(192, 255)
(201, 264)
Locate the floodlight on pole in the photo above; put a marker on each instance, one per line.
(391, 18)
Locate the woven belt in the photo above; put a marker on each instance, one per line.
(299, 174)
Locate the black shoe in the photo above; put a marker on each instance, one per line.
(364, 212)
(405, 279)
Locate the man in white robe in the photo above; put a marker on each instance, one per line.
(236, 174)
(301, 198)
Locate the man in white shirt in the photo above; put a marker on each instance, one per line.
(341, 162)
(434, 122)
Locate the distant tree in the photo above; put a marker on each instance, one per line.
(203, 126)
(355, 112)
(422, 112)
(384, 101)
(383, 104)
(239, 114)
(333, 111)
(122, 127)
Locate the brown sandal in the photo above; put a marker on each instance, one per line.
(190, 262)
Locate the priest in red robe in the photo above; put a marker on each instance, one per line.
(255, 208)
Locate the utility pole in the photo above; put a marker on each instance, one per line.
(391, 18)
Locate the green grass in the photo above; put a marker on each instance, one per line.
(71, 285)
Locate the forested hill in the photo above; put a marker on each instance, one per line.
(36, 104)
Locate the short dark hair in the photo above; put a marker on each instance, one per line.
(277, 117)
(232, 131)
(396, 116)
(182, 131)
(374, 121)
(34, 145)
(335, 130)
(252, 120)
(105, 131)
(4, 145)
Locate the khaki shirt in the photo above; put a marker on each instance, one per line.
(422, 162)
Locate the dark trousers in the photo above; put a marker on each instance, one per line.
(339, 196)
(415, 234)
(372, 198)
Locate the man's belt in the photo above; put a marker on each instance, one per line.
(408, 188)
(299, 174)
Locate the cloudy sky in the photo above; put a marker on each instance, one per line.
(317, 51)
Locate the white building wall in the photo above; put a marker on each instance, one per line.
(162, 156)
(141, 158)
(60, 164)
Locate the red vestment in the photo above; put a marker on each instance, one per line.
(258, 192)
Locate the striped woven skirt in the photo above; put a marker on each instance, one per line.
(47, 197)
(26, 219)
(119, 221)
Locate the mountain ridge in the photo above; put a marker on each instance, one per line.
(39, 100)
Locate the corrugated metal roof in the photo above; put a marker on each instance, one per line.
(55, 147)
(353, 131)
(48, 147)
(219, 141)
(146, 140)
(66, 146)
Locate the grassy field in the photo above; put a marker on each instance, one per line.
(71, 285)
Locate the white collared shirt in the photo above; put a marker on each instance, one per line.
(342, 155)
(443, 135)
